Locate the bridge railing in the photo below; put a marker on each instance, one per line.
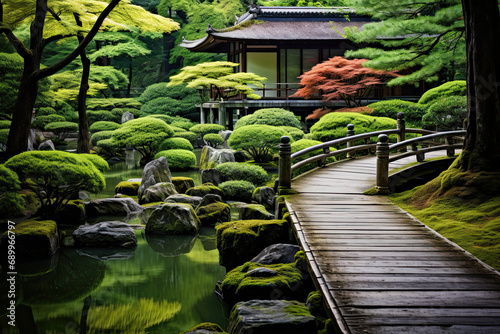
(286, 168)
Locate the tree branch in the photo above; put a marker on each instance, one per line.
(76, 52)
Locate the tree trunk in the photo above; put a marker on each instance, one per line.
(83, 144)
(482, 28)
(129, 86)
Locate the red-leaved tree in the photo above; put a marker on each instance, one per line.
(339, 78)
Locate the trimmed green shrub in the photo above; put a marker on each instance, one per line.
(110, 103)
(240, 171)
(176, 143)
(237, 190)
(108, 147)
(446, 114)
(213, 139)
(334, 125)
(98, 162)
(5, 124)
(451, 88)
(44, 111)
(162, 105)
(191, 136)
(257, 140)
(127, 188)
(183, 123)
(62, 129)
(4, 134)
(303, 144)
(103, 126)
(295, 133)
(178, 159)
(102, 115)
(413, 111)
(204, 189)
(11, 203)
(202, 129)
(167, 119)
(42, 121)
(96, 137)
(144, 135)
(177, 129)
(270, 116)
(55, 176)
(173, 100)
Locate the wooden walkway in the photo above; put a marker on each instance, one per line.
(380, 269)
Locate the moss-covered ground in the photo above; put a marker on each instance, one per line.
(463, 207)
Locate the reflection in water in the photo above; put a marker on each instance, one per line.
(147, 293)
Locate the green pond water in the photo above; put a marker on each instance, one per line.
(164, 285)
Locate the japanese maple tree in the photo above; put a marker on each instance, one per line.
(339, 78)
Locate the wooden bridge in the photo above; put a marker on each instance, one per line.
(381, 270)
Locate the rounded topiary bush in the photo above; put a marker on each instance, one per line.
(446, 114)
(103, 115)
(413, 111)
(62, 129)
(44, 111)
(176, 144)
(4, 124)
(177, 129)
(240, 171)
(178, 159)
(237, 190)
(202, 129)
(103, 126)
(334, 125)
(100, 136)
(213, 139)
(191, 136)
(295, 133)
(451, 88)
(42, 121)
(183, 123)
(270, 116)
(11, 203)
(166, 118)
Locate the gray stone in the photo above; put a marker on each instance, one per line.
(173, 218)
(112, 207)
(255, 211)
(264, 196)
(209, 199)
(211, 157)
(212, 175)
(84, 195)
(277, 253)
(107, 254)
(225, 134)
(182, 198)
(105, 234)
(261, 272)
(157, 193)
(154, 172)
(31, 140)
(46, 145)
(271, 316)
(127, 116)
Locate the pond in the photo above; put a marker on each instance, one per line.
(165, 285)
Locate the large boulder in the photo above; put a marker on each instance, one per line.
(254, 211)
(239, 241)
(127, 188)
(46, 145)
(205, 328)
(33, 239)
(182, 183)
(278, 253)
(72, 213)
(105, 234)
(214, 213)
(173, 218)
(127, 116)
(271, 316)
(183, 198)
(31, 140)
(211, 157)
(257, 281)
(209, 199)
(157, 193)
(154, 172)
(112, 207)
(264, 196)
(212, 175)
(204, 189)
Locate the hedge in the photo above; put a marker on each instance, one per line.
(178, 159)
(243, 172)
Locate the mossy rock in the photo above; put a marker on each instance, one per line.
(34, 239)
(204, 189)
(259, 281)
(205, 328)
(173, 218)
(72, 213)
(240, 241)
(315, 304)
(127, 188)
(214, 213)
(255, 211)
(182, 184)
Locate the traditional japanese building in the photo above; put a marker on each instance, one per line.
(281, 43)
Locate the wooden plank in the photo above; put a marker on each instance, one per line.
(419, 312)
(396, 262)
(413, 286)
(453, 329)
(330, 268)
(340, 278)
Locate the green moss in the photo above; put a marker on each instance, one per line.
(371, 191)
(35, 239)
(72, 213)
(243, 25)
(204, 189)
(214, 213)
(127, 188)
(147, 205)
(207, 326)
(255, 211)
(237, 190)
(182, 184)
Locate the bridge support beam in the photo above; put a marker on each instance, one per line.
(382, 153)
(285, 164)
(401, 124)
(349, 133)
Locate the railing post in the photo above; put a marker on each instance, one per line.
(285, 164)
(402, 129)
(420, 156)
(450, 151)
(382, 153)
(349, 133)
(322, 162)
